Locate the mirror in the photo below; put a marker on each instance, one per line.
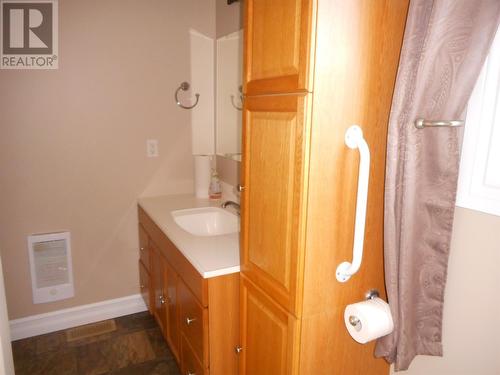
(229, 98)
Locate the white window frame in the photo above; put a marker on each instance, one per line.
(479, 178)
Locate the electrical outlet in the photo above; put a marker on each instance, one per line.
(152, 148)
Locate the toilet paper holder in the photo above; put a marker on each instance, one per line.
(354, 320)
(368, 319)
(371, 294)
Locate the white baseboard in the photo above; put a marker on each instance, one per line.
(62, 319)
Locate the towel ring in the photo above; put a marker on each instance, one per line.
(184, 87)
(240, 89)
(234, 105)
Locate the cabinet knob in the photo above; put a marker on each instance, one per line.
(240, 188)
(190, 320)
(190, 373)
(162, 300)
(238, 349)
(142, 249)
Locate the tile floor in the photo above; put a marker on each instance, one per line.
(135, 348)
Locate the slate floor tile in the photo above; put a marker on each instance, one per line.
(50, 363)
(137, 347)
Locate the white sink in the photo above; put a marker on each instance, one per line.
(206, 221)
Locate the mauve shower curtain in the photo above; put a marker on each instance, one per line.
(444, 48)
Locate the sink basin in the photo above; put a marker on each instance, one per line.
(206, 221)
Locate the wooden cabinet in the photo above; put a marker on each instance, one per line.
(198, 317)
(278, 40)
(303, 90)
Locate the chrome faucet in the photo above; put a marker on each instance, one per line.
(231, 203)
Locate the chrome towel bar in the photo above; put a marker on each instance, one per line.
(421, 123)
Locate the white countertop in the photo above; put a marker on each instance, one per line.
(211, 256)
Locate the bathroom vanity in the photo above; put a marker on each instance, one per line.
(190, 284)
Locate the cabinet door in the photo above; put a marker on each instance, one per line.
(157, 283)
(269, 334)
(278, 41)
(276, 132)
(144, 247)
(145, 285)
(172, 309)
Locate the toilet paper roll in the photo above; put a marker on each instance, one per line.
(202, 173)
(368, 320)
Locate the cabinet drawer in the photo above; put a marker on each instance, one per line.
(193, 322)
(144, 248)
(145, 285)
(190, 364)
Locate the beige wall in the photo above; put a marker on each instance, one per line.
(228, 17)
(72, 144)
(229, 170)
(471, 331)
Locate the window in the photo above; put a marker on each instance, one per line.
(479, 179)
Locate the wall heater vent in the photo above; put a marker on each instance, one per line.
(51, 268)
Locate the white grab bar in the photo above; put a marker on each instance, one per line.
(354, 139)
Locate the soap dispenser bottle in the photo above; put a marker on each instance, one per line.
(215, 189)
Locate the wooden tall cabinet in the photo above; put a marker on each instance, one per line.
(313, 68)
